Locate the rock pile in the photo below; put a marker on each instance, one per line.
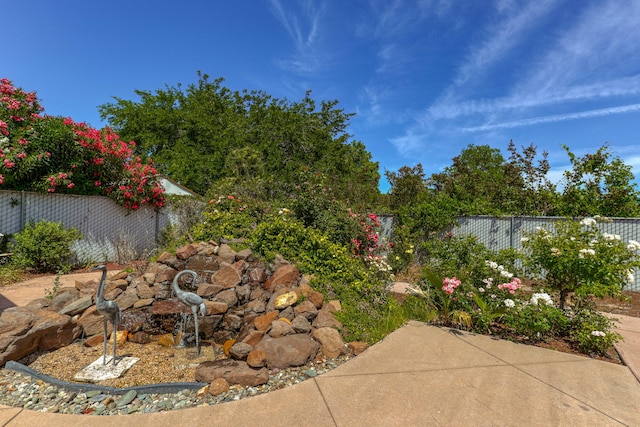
(266, 317)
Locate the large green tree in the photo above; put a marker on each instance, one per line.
(480, 181)
(598, 184)
(205, 133)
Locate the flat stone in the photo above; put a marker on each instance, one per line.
(78, 306)
(97, 371)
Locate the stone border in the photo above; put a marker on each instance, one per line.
(164, 388)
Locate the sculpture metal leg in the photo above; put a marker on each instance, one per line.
(195, 322)
(114, 335)
(104, 347)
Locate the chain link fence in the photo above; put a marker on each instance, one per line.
(506, 232)
(111, 233)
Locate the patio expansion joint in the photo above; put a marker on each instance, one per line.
(13, 417)
(516, 367)
(324, 399)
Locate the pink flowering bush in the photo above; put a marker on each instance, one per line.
(57, 155)
(368, 246)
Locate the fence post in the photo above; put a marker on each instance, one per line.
(23, 212)
(511, 232)
(157, 231)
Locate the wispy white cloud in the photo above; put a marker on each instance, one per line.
(303, 27)
(587, 51)
(592, 57)
(501, 38)
(631, 108)
(625, 86)
(410, 143)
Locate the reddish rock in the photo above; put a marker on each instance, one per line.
(216, 307)
(228, 296)
(200, 263)
(255, 306)
(169, 306)
(256, 359)
(331, 343)
(333, 305)
(226, 254)
(186, 251)
(325, 318)
(263, 323)
(91, 322)
(245, 254)
(165, 257)
(291, 350)
(207, 290)
(94, 340)
(120, 284)
(87, 287)
(280, 328)
(287, 275)
(143, 289)
(127, 299)
(240, 266)
(165, 274)
(24, 330)
(240, 350)
(140, 337)
(227, 276)
(112, 294)
(143, 302)
(233, 371)
(253, 337)
(257, 275)
(316, 298)
(218, 387)
(306, 309)
(357, 347)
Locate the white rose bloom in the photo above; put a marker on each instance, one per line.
(509, 303)
(541, 297)
(633, 245)
(588, 222)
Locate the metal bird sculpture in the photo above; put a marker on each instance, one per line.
(192, 300)
(108, 309)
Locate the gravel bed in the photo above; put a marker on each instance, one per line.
(37, 393)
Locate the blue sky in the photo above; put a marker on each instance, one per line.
(425, 78)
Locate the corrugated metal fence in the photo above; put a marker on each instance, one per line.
(506, 232)
(110, 232)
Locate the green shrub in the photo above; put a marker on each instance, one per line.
(591, 330)
(577, 257)
(367, 312)
(44, 246)
(537, 322)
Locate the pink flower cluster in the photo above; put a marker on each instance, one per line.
(450, 284)
(512, 286)
(368, 246)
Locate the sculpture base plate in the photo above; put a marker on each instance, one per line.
(98, 371)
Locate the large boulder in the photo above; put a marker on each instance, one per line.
(233, 371)
(287, 351)
(24, 330)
